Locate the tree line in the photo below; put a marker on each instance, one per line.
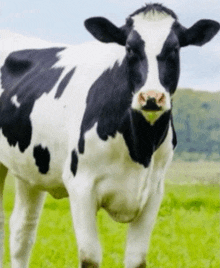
(197, 123)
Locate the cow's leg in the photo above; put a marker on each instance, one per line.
(28, 204)
(140, 230)
(3, 173)
(84, 208)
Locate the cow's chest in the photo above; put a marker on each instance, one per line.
(121, 185)
(123, 197)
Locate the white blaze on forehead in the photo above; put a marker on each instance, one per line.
(154, 28)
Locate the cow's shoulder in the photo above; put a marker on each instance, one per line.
(107, 102)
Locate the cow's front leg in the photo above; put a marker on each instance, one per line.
(140, 230)
(84, 208)
(28, 204)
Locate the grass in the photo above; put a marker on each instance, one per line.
(186, 234)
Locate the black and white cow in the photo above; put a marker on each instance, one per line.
(94, 122)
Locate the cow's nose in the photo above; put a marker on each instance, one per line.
(152, 100)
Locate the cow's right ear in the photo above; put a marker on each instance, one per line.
(200, 33)
(105, 31)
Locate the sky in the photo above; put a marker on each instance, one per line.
(56, 21)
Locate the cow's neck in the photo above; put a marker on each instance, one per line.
(142, 138)
(107, 102)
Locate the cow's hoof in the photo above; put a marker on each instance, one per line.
(143, 265)
(86, 264)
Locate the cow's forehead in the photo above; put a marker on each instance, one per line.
(154, 29)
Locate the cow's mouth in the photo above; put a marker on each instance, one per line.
(151, 105)
(151, 108)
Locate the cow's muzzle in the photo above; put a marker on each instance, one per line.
(152, 101)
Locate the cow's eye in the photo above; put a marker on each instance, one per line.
(130, 51)
(170, 54)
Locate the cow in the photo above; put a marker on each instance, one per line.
(93, 123)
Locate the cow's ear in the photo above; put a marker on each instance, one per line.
(200, 33)
(105, 31)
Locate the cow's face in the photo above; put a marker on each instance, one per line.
(152, 38)
(152, 51)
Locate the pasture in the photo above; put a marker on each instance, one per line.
(186, 234)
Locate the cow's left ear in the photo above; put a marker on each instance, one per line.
(105, 31)
(200, 33)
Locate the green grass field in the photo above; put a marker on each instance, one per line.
(186, 234)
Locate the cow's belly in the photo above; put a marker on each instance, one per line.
(22, 165)
(28, 173)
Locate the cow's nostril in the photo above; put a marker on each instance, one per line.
(142, 98)
(161, 99)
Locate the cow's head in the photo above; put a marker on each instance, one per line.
(152, 37)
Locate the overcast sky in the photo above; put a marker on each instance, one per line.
(62, 22)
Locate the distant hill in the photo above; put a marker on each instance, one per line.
(197, 121)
